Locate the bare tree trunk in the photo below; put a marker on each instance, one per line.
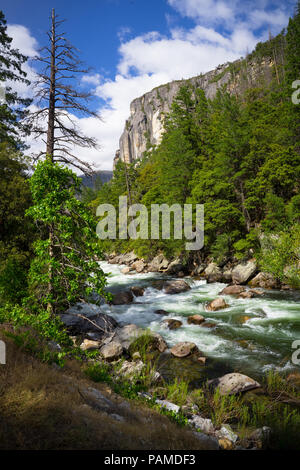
(50, 148)
(51, 113)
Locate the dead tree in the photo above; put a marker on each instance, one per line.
(59, 102)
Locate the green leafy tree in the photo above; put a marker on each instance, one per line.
(65, 269)
(13, 109)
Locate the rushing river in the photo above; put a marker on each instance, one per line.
(251, 335)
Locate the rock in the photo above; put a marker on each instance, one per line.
(121, 298)
(206, 441)
(131, 370)
(117, 417)
(161, 312)
(184, 349)
(205, 425)
(111, 351)
(216, 304)
(137, 291)
(172, 324)
(156, 378)
(139, 266)
(246, 295)
(234, 383)
(227, 275)
(261, 436)
(126, 270)
(208, 325)
(242, 273)
(128, 258)
(213, 273)
(180, 274)
(175, 266)
(226, 444)
(53, 346)
(176, 287)
(88, 345)
(127, 334)
(226, 433)
(136, 356)
(96, 399)
(159, 263)
(168, 405)
(201, 360)
(265, 281)
(88, 318)
(195, 320)
(232, 290)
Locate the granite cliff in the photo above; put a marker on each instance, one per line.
(145, 125)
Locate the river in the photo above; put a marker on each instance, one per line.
(251, 336)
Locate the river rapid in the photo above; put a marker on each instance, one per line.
(251, 336)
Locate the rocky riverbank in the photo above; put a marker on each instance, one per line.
(236, 273)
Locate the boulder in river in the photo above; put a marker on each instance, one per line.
(172, 324)
(217, 304)
(139, 266)
(184, 349)
(176, 287)
(232, 290)
(137, 291)
(126, 270)
(264, 280)
(195, 319)
(159, 263)
(120, 298)
(243, 272)
(234, 383)
(161, 312)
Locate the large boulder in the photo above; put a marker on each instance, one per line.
(128, 258)
(243, 272)
(126, 270)
(216, 304)
(176, 287)
(213, 273)
(234, 383)
(232, 290)
(172, 324)
(88, 318)
(128, 334)
(184, 349)
(89, 345)
(121, 298)
(112, 350)
(264, 280)
(195, 319)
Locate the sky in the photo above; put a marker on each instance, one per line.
(133, 46)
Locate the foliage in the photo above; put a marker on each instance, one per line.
(65, 268)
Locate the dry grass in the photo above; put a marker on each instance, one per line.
(45, 408)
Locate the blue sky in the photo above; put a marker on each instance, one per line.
(135, 45)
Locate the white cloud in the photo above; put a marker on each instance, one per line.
(152, 59)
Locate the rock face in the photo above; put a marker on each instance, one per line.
(184, 349)
(216, 304)
(234, 383)
(146, 122)
(176, 287)
(242, 273)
